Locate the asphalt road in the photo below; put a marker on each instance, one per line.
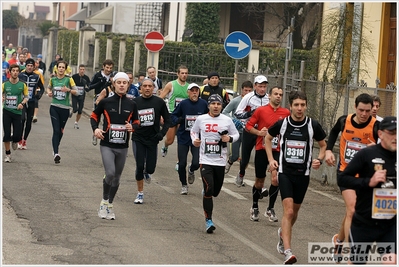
(50, 211)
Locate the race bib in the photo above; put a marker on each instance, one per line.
(295, 151)
(147, 116)
(212, 147)
(275, 143)
(384, 203)
(58, 94)
(81, 90)
(30, 91)
(351, 148)
(117, 134)
(11, 102)
(189, 121)
(177, 101)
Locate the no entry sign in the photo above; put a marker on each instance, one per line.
(154, 41)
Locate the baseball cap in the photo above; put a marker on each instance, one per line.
(215, 98)
(191, 85)
(388, 123)
(260, 79)
(39, 56)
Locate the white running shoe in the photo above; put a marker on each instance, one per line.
(254, 214)
(139, 198)
(103, 210)
(7, 158)
(280, 244)
(227, 167)
(110, 213)
(184, 190)
(289, 257)
(271, 215)
(190, 176)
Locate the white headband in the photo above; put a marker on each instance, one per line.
(120, 75)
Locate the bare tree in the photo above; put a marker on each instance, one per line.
(307, 20)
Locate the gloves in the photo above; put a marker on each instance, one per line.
(159, 136)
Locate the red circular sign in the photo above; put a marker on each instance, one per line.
(154, 41)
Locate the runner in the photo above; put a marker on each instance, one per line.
(263, 118)
(121, 118)
(146, 138)
(59, 89)
(210, 133)
(297, 134)
(185, 115)
(175, 91)
(15, 95)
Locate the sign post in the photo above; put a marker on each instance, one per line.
(154, 42)
(237, 46)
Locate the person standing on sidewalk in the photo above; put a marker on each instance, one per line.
(120, 120)
(185, 115)
(59, 89)
(210, 133)
(297, 134)
(229, 110)
(15, 95)
(264, 117)
(36, 90)
(146, 138)
(82, 82)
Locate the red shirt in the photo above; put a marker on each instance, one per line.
(266, 116)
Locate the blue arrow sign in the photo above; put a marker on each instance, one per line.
(237, 45)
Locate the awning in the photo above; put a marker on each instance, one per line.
(102, 17)
(78, 16)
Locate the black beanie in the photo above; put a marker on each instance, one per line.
(214, 73)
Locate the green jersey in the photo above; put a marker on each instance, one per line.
(13, 94)
(61, 99)
(177, 94)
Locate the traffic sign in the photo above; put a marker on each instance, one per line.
(154, 41)
(237, 45)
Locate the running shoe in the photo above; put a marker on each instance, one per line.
(34, 119)
(239, 180)
(110, 213)
(190, 176)
(280, 244)
(76, 125)
(23, 146)
(254, 214)
(103, 210)
(20, 144)
(139, 198)
(209, 226)
(264, 193)
(164, 151)
(94, 141)
(7, 158)
(147, 178)
(57, 158)
(177, 166)
(271, 215)
(337, 254)
(227, 167)
(289, 258)
(70, 114)
(14, 145)
(184, 190)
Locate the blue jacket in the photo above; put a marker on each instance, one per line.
(185, 114)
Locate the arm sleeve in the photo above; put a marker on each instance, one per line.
(332, 138)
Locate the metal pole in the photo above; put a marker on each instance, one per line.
(288, 56)
(235, 78)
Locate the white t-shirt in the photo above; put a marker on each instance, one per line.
(208, 127)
